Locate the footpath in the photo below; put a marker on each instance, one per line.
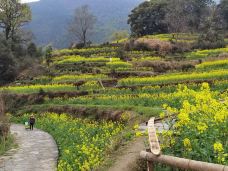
(36, 151)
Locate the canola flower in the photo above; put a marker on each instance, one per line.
(206, 53)
(213, 65)
(84, 51)
(82, 77)
(118, 64)
(187, 144)
(218, 147)
(82, 143)
(26, 89)
(200, 130)
(183, 37)
(79, 59)
(175, 78)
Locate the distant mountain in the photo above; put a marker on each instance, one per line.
(50, 18)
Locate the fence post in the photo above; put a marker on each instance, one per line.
(150, 166)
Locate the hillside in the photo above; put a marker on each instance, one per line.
(87, 89)
(50, 18)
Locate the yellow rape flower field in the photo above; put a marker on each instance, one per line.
(198, 132)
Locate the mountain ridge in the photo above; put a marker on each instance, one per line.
(51, 17)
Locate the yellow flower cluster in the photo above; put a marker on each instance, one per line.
(200, 125)
(175, 78)
(81, 77)
(218, 147)
(118, 64)
(24, 89)
(78, 59)
(206, 53)
(213, 64)
(83, 51)
(187, 144)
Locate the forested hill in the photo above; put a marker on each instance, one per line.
(50, 18)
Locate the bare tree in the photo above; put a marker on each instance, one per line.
(177, 17)
(82, 24)
(13, 15)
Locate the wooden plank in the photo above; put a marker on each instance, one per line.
(153, 139)
(182, 163)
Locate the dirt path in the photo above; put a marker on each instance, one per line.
(37, 151)
(130, 153)
(129, 157)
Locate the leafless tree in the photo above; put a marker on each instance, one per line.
(82, 24)
(177, 17)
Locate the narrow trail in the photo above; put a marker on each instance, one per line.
(131, 153)
(37, 151)
(129, 156)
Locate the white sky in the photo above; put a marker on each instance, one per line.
(28, 1)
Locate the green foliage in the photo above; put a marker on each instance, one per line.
(7, 67)
(6, 144)
(160, 16)
(13, 15)
(223, 6)
(212, 35)
(117, 36)
(48, 54)
(32, 50)
(148, 18)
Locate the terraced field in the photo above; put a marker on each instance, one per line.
(98, 84)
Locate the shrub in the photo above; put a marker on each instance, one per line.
(210, 40)
(159, 46)
(164, 66)
(120, 53)
(7, 65)
(4, 126)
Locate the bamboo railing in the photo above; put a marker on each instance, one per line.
(155, 156)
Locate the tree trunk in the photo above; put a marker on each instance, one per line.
(7, 33)
(84, 38)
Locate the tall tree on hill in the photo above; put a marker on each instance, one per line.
(177, 17)
(161, 16)
(13, 15)
(197, 9)
(223, 7)
(212, 30)
(148, 18)
(82, 24)
(7, 64)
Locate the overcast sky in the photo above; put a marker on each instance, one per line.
(27, 1)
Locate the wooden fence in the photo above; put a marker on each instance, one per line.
(155, 156)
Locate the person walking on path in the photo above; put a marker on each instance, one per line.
(32, 121)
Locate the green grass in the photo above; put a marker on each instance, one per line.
(6, 144)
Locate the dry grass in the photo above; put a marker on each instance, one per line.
(165, 66)
(164, 47)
